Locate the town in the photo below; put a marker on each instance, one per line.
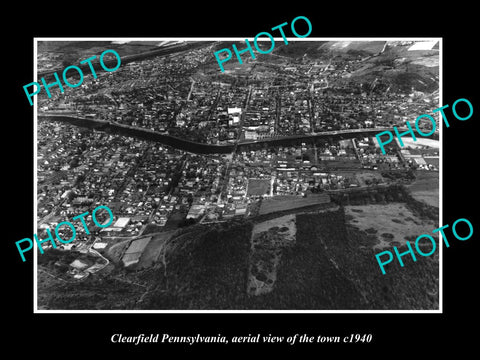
(153, 187)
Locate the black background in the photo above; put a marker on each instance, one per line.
(406, 334)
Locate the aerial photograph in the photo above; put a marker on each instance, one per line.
(261, 187)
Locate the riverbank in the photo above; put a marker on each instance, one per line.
(202, 148)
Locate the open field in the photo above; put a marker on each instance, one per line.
(138, 245)
(268, 239)
(287, 221)
(143, 252)
(283, 203)
(154, 249)
(135, 250)
(389, 223)
(426, 187)
(116, 251)
(258, 186)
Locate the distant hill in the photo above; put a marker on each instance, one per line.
(391, 64)
(72, 52)
(328, 49)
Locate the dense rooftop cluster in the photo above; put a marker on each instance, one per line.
(179, 95)
(150, 186)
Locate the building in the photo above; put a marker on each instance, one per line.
(121, 222)
(251, 135)
(196, 211)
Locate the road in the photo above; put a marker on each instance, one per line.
(191, 89)
(99, 267)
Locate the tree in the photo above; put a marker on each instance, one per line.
(187, 222)
(71, 195)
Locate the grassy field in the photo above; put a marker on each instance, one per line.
(390, 223)
(138, 245)
(115, 251)
(147, 251)
(426, 187)
(283, 203)
(153, 249)
(268, 240)
(258, 186)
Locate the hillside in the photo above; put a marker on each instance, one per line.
(333, 266)
(323, 260)
(389, 64)
(204, 268)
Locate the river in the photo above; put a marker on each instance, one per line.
(202, 148)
